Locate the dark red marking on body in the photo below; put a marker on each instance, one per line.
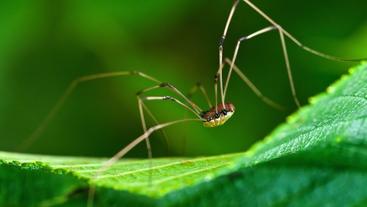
(216, 111)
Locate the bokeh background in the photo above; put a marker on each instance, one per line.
(44, 45)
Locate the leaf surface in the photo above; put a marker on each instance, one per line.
(317, 158)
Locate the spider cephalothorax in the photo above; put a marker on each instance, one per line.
(217, 115)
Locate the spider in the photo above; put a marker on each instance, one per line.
(218, 113)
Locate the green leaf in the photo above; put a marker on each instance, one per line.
(317, 158)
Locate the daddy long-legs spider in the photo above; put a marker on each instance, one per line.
(212, 116)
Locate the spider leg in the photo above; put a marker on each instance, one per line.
(141, 100)
(170, 98)
(125, 150)
(240, 40)
(289, 70)
(141, 105)
(144, 125)
(195, 107)
(252, 86)
(76, 82)
(200, 87)
(223, 37)
(143, 108)
(282, 33)
(218, 76)
(69, 90)
(285, 53)
(296, 41)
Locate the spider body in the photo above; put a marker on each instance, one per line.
(217, 115)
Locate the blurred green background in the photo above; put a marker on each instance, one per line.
(44, 45)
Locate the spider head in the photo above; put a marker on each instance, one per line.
(217, 115)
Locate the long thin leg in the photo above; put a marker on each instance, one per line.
(195, 107)
(288, 67)
(155, 120)
(126, 149)
(222, 39)
(289, 71)
(165, 98)
(282, 34)
(252, 86)
(200, 87)
(216, 91)
(285, 53)
(221, 83)
(218, 76)
(286, 33)
(221, 42)
(144, 125)
(141, 104)
(297, 42)
(61, 101)
(73, 85)
(147, 141)
(262, 31)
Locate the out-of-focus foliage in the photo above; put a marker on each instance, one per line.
(46, 44)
